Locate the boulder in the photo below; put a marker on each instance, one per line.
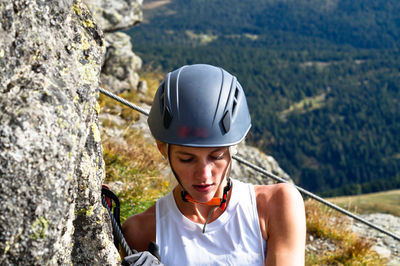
(51, 164)
(119, 72)
(116, 15)
(260, 159)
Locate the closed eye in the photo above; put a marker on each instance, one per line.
(185, 160)
(218, 156)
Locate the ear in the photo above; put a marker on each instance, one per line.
(162, 147)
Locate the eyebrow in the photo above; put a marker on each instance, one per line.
(189, 153)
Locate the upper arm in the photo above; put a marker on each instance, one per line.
(282, 218)
(140, 229)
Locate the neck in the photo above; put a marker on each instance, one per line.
(198, 212)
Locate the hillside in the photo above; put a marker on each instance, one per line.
(381, 202)
(382, 209)
(366, 24)
(322, 80)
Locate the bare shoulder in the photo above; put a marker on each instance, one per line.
(275, 202)
(140, 229)
(282, 220)
(284, 193)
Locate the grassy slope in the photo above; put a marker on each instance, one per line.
(134, 161)
(326, 225)
(383, 202)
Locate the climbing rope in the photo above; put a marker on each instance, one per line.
(268, 174)
(117, 231)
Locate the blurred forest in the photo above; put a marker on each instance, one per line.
(322, 79)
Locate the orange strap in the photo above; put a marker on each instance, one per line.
(220, 202)
(213, 202)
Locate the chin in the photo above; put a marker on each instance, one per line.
(205, 198)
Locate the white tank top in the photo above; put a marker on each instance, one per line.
(233, 239)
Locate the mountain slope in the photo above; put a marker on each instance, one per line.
(366, 24)
(322, 80)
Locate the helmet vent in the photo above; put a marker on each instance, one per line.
(162, 100)
(167, 117)
(226, 121)
(235, 100)
(236, 93)
(162, 103)
(165, 111)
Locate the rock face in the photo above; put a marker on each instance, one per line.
(119, 72)
(260, 159)
(116, 15)
(51, 166)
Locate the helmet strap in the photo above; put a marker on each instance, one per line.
(216, 201)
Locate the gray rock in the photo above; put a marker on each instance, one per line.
(386, 246)
(142, 87)
(51, 164)
(260, 159)
(141, 124)
(115, 120)
(119, 72)
(116, 14)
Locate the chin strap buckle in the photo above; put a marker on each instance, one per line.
(184, 196)
(216, 202)
(225, 195)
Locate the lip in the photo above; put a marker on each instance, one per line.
(202, 188)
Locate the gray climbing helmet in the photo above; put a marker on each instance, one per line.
(199, 106)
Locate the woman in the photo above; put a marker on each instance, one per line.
(199, 113)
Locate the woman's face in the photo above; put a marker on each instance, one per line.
(200, 170)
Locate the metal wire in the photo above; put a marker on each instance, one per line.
(268, 174)
(123, 101)
(317, 198)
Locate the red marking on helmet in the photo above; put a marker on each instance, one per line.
(201, 133)
(184, 132)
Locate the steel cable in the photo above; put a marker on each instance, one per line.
(317, 198)
(123, 101)
(268, 174)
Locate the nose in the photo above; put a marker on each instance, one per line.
(204, 171)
